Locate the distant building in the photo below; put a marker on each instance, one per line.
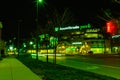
(81, 39)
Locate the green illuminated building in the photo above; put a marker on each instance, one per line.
(81, 39)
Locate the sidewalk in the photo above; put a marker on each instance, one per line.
(12, 69)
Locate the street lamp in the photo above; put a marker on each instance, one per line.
(18, 36)
(37, 38)
(40, 1)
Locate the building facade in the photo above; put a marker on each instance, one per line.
(82, 40)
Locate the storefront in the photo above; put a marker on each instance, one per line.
(115, 42)
(80, 40)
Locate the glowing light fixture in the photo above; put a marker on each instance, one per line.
(40, 0)
(77, 43)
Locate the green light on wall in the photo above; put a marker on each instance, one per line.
(77, 43)
(97, 50)
(11, 47)
(70, 49)
(89, 26)
(31, 43)
(56, 29)
(42, 36)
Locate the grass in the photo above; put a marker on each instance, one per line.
(50, 71)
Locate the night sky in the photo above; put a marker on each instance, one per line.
(23, 13)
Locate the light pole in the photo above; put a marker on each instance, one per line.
(37, 20)
(18, 41)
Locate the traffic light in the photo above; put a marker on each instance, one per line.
(111, 27)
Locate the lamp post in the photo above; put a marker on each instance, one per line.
(37, 20)
(18, 36)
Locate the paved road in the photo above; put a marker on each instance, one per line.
(12, 69)
(83, 63)
(101, 60)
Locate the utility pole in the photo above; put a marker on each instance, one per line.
(37, 32)
(37, 20)
(18, 42)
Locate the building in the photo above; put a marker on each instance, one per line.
(81, 40)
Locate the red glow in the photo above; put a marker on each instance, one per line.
(111, 27)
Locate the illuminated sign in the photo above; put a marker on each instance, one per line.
(92, 30)
(77, 32)
(72, 27)
(69, 28)
(85, 26)
(88, 35)
(77, 43)
(115, 36)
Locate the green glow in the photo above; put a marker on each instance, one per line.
(24, 45)
(42, 36)
(92, 30)
(77, 43)
(72, 27)
(41, 51)
(70, 49)
(56, 29)
(53, 41)
(1, 25)
(85, 26)
(97, 50)
(69, 27)
(78, 32)
(40, 1)
(31, 42)
(11, 47)
(47, 35)
(90, 35)
(116, 36)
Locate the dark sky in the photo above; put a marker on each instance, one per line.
(14, 13)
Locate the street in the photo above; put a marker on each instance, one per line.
(103, 65)
(109, 60)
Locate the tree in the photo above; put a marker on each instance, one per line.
(55, 18)
(58, 19)
(116, 1)
(111, 12)
(2, 47)
(35, 35)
